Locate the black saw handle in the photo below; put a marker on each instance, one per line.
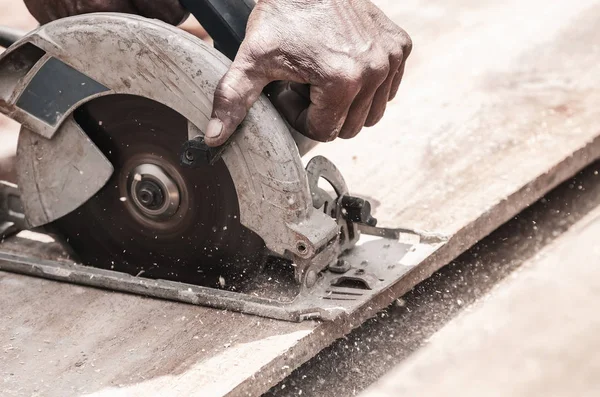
(224, 20)
(9, 36)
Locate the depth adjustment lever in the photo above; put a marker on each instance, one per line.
(357, 210)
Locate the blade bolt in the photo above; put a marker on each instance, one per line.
(150, 194)
(189, 156)
(146, 196)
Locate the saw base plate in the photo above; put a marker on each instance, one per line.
(376, 263)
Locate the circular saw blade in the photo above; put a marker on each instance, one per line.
(197, 239)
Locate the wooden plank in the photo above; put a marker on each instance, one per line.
(535, 334)
(489, 118)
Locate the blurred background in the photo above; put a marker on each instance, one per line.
(13, 13)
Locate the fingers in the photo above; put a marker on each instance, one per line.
(315, 111)
(291, 100)
(407, 46)
(324, 112)
(329, 108)
(235, 94)
(373, 77)
(382, 96)
(396, 82)
(357, 116)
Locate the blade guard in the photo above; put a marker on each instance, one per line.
(62, 65)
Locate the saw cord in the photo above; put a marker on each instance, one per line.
(8, 36)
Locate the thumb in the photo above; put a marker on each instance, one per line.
(235, 94)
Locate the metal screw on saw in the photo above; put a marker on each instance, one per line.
(189, 156)
(342, 266)
(150, 195)
(196, 153)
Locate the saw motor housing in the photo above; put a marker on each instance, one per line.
(61, 66)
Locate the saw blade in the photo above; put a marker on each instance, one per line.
(155, 218)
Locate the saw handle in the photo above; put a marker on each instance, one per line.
(9, 36)
(224, 20)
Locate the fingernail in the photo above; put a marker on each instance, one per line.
(214, 129)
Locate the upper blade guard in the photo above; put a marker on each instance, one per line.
(58, 167)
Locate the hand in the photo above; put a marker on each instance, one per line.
(344, 58)
(48, 10)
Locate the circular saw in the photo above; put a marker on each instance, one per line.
(111, 157)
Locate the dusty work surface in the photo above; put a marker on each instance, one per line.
(489, 119)
(535, 334)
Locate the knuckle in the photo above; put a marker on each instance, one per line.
(262, 43)
(227, 90)
(241, 85)
(406, 43)
(229, 102)
(258, 46)
(346, 71)
(353, 84)
(378, 67)
(352, 75)
(248, 54)
(348, 81)
(396, 53)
